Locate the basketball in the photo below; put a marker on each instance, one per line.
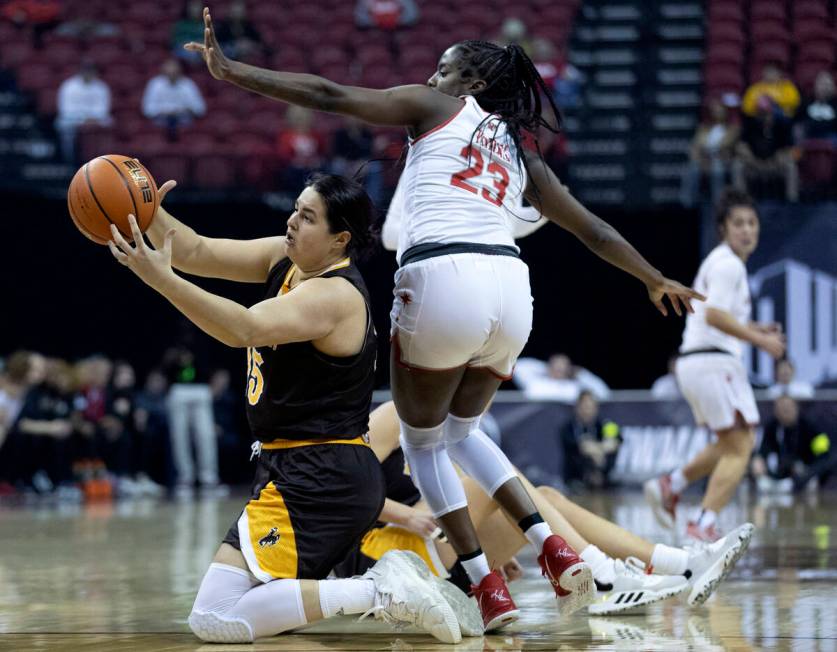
(105, 191)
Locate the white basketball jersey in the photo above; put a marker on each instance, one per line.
(722, 277)
(460, 181)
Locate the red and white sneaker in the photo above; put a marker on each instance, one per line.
(571, 578)
(495, 602)
(663, 500)
(707, 534)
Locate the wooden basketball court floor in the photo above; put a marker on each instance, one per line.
(122, 576)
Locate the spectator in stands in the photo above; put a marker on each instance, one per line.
(351, 154)
(557, 380)
(238, 35)
(46, 424)
(793, 454)
(818, 118)
(171, 99)
(23, 371)
(778, 88)
(558, 73)
(386, 14)
(151, 424)
(83, 99)
(188, 28)
(189, 406)
(710, 154)
(39, 15)
(786, 384)
(513, 31)
(300, 148)
(666, 387)
(765, 152)
(589, 446)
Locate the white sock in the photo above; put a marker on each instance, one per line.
(678, 481)
(600, 564)
(343, 597)
(477, 568)
(537, 534)
(666, 560)
(706, 518)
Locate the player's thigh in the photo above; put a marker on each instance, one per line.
(230, 556)
(422, 398)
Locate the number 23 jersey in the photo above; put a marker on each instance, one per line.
(460, 181)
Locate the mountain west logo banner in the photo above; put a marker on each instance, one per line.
(270, 539)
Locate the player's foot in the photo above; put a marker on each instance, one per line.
(704, 534)
(710, 563)
(495, 602)
(633, 587)
(465, 608)
(662, 499)
(571, 578)
(402, 595)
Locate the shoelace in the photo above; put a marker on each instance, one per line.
(392, 611)
(631, 566)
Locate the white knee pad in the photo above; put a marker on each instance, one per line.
(431, 468)
(212, 627)
(421, 438)
(457, 428)
(483, 460)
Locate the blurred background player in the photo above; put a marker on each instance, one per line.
(711, 375)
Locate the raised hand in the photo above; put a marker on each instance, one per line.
(679, 295)
(153, 266)
(217, 63)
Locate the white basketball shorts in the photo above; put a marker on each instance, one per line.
(716, 387)
(462, 309)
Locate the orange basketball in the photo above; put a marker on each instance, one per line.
(108, 188)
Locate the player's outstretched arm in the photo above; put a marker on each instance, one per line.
(310, 313)
(416, 106)
(552, 199)
(248, 261)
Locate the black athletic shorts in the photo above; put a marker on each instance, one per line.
(312, 502)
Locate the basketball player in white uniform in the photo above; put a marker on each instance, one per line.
(463, 308)
(711, 374)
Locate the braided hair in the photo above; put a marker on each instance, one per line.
(514, 89)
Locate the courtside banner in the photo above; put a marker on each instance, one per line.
(658, 435)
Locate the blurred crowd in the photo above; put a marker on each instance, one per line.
(760, 142)
(90, 430)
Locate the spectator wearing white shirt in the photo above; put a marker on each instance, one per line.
(82, 99)
(787, 385)
(171, 99)
(666, 387)
(557, 380)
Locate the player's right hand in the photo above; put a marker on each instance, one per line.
(774, 343)
(421, 523)
(217, 63)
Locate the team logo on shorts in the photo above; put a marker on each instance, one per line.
(270, 539)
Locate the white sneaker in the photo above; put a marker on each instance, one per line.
(466, 609)
(148, 487)
(710, 563)
(403, 595)
(633, 587)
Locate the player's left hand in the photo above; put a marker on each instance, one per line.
(679, 295)
(216, 61)
(153, 266)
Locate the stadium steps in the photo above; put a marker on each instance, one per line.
(641, 60)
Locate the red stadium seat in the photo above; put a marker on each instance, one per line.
(817, 165)
(767, 9)
(33, 77)
(816, 52)
(47, 101)
(725, 54)
(165, 165)
(805, 9)
(328, 55)
(94, 141)
(768, 30)
(14, 53)
(214, 171)
(805, 31)
(726, 33)
(767, 52)
(725, 13)
(375, 55)
(719, 79)
(805, 74)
